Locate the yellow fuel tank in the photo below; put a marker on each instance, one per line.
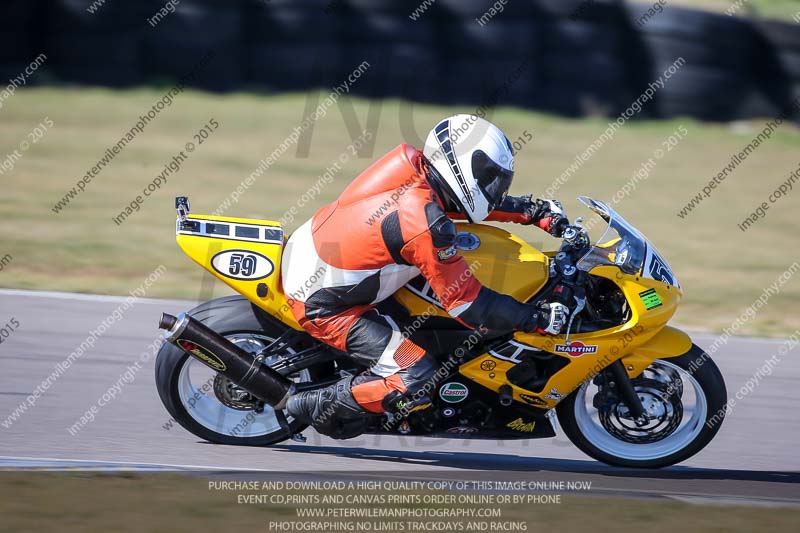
(501, 261)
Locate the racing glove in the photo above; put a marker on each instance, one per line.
(552, 317)
(548, 215)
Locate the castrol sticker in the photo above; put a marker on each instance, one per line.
(453, 392)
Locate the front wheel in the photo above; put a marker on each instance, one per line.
(684, 399)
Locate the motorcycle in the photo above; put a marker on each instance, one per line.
(627, 389)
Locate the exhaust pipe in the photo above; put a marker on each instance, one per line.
(221, 355)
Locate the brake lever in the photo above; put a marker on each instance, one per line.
(580, 302)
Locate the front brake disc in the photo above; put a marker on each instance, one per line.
(663, 407)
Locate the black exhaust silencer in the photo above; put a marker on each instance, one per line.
(218, 353)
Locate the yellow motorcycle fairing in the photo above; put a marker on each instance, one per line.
(508, 265)
(244, 253)
(638, 342)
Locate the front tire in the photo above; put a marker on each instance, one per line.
(686, 430)
(191, 391)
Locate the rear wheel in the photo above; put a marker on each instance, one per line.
(684, 399)
(209, 405)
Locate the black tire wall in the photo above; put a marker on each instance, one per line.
(17, 43)
(175, 47)
(572, 57)
(100, 48)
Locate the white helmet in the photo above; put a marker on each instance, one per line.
(474, 161)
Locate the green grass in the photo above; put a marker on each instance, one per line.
(164, 502)
(775, 9)
(80, 249)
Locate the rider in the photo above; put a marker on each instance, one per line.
(391, 224)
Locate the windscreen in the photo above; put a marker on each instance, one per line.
(621, 244)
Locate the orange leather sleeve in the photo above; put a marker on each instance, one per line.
(446, 271)
(502, 216)
(498, 216)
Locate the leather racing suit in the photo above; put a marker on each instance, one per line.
(386, 228)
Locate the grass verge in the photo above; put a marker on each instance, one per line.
(88, 502)
(721, 268)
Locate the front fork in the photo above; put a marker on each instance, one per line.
(622, 385)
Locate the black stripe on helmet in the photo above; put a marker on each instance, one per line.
(442, 131)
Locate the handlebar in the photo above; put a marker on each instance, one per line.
(575, 243)
(575, 236)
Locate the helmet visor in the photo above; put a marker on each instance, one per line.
(493, 180)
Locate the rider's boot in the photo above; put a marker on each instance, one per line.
(401, 404)
(332, 411)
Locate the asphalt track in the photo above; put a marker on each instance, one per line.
(754, 459)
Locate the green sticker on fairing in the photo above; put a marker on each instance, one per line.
(453, 392)
(650, 299)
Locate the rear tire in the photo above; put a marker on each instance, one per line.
(232, 316)
(696, 364)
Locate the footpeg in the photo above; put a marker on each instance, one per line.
(397, 402)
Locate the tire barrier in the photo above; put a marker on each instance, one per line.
(584, 66)
(292, 46)
(572, 57)
(402, 54)
(94, 44)
(720, 56)
(176, 41)
(785, 38)
(17, 46)
(782, 67)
